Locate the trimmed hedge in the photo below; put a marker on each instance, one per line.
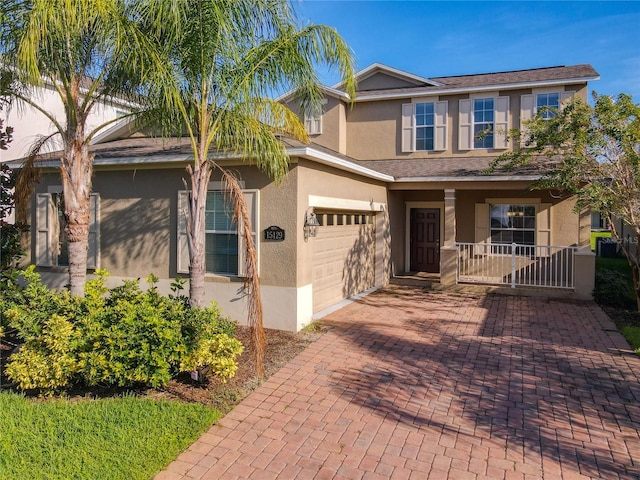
(122, 336)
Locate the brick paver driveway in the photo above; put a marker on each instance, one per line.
(416, 384)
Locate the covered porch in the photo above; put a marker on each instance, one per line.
(491, 233)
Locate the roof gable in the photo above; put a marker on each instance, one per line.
(378, 76)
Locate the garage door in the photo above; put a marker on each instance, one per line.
(343, 257)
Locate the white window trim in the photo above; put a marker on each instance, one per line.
(313, 122)
(501, 121)
(440, 124)
(529, 105)
(182, 244)
(544, 220)
(519, 204)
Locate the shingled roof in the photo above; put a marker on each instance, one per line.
(577, 73)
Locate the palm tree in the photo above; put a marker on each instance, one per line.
(230, 58)
(90, 51)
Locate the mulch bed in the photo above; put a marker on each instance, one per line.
(281, 347)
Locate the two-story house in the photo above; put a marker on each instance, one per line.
(393, 181)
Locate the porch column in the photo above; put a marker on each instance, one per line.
(448, 253)
(585, 272)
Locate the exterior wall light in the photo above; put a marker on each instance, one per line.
(311, 225)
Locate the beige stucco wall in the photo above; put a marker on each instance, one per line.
(374, 129)
(138, 220)
(382, 81)
(323, 181)
(333, 126)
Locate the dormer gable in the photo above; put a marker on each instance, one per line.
(382, 77)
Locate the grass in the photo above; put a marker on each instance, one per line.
(115, 438)
(632, 334)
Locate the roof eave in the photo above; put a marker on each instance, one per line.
(333, 161)
(470, 178)
(328, 90)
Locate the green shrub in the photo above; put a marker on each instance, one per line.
(50, 362)
(612, 289)
(120, 336)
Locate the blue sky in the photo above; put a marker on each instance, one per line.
(440, 38)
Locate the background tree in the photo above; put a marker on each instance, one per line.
(231, 58)
(90, 51)
(10, 232)
(595, 153)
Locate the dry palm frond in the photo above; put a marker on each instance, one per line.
(250, 265)
(28, 178)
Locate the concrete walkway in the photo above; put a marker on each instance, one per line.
(412, 384)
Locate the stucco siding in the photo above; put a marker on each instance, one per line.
(321, 181)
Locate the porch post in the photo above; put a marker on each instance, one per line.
(448, 252)
(585, 272)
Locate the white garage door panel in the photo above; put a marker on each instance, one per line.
(343, 260)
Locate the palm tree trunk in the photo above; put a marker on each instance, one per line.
(76, 170)
(195, 232)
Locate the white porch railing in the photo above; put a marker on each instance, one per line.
(516, 265)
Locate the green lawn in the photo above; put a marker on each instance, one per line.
(623, 294)
(118, 438)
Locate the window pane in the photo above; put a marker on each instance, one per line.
(222, 253)
(424, 114)
(513, 223)
(482, 138)
(546, 101)
(424, 138)
(221, 249)
(218, 215)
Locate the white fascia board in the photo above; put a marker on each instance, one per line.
(330, 160)
(112, 132)
(328, 90)
(482, 178)
(334, 203)
(483, 88)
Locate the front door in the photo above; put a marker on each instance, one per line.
(425, 240)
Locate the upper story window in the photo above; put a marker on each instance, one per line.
(483, 127)
(531, 104)
(548, 103)
(313, 123)
(483, 122)
(424, 126)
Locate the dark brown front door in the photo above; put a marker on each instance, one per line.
(425, 240)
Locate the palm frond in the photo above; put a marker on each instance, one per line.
(251, 278)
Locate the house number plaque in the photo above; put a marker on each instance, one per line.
(273, 234)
